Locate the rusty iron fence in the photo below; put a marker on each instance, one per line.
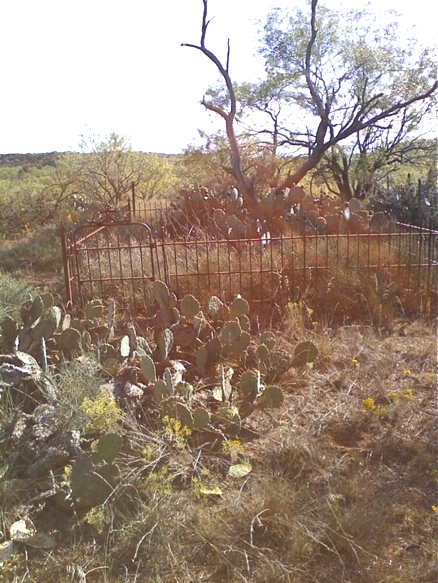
(119, 255)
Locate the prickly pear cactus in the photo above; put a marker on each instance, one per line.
(162, 390)
(271, 398)
(108, 447)
(230, 333)
(201, 358)
(165, 343)
(92, 484)
(250, 384)
(48, 300)
(93, 310)
(201, 418)
(217, 310)
(148, 368)
(190, 306)
(239, 307)
(305, 352)
(93, 475)
(268, 339)
(9, 331)
(70, 340)
(161, 294)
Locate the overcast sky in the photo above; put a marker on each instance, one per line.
(96, 66)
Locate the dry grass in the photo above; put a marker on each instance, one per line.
(343, 484)
(371, 279)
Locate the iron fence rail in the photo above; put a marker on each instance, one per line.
(120, 260)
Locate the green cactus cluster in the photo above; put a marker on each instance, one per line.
(94, 474)
(215, 344)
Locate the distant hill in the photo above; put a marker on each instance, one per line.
(52, 159)
(24, 160)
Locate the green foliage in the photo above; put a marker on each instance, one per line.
(165, 343)
(93, 475)
(190, 306)
(54, 339)
(13, 293)
(102, 412)
(306, 352)
(346, 71)
(271, 398)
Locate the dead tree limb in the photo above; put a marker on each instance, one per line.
(246, 188)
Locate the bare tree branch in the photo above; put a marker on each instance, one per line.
(245, 187)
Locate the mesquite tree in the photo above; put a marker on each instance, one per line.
(334, 83)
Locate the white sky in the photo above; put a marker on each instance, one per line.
(96, 66)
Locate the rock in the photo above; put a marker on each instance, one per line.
(40, 442)
(28, 386)
(22, 530)
(7, 551)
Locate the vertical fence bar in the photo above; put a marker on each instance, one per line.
(198, 278)
(104, 257)
(250, 250)
(420, 247)
(305, 256)
(134, 207)
(66, 258)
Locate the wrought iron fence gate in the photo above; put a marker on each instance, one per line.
(118, 258)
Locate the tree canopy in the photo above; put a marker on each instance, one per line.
(336, 84)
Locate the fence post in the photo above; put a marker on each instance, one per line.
(419, 201)
(66, 262)
(133, 198)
